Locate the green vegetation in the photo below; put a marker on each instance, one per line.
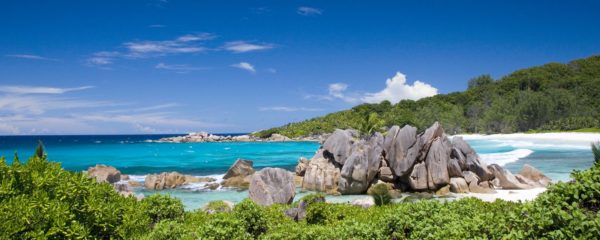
(39, 200)
(596, 152)
(552, 97)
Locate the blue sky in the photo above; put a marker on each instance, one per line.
(170, 66)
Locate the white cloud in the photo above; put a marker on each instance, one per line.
(242, 46)
(397, 89)
(14, 89)
(179, 68)
(36, 105)
(184, 44)
(157, 26)
(245, 66)
(31, 57)
(308, 11)
(290, 109)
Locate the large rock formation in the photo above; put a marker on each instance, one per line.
(104, 173)
(427, 162)
(272, 185)
(321, 175)
(361, 166)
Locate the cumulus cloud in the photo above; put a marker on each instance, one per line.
(289, 109)
(245, 66)
(308, 11)
(243, 46)
(397, 89)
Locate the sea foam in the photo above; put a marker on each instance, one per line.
(504, 158)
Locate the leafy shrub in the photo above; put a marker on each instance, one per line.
(162, 207)
(252, 216)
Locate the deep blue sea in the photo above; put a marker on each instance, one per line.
(138, 155)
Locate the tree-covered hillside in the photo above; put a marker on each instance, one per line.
(554, 96)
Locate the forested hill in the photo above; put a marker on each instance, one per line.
(554, 96)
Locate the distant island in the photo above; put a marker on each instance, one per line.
(552, 97)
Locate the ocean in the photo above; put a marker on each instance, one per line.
(139, 155)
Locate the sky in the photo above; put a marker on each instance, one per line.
(174, 66)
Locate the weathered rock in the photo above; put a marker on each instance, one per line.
(272, 185)
(164, 180)
(212, 185)
(240, 168)
(299, 212)
(134, 183)
(298, 180)
(193, 179)
(437, 165)
(459, 143)
(301, 167)
(443, 191)
(418, 177)
(476, 185)
(402, 149)
(458, 185)
(339, 145)
(104, 173)
(124, 177)
(385, 174)
(321, 175)
(361, 166)
(121, 187)
(460, 158)
(239, 182)
(506, 179)
(363, 202)
(275, 137)
(535, 175)
(427, 138)
(454, 169)
(474, 164)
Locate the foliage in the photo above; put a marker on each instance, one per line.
(39, 200)
(161, 207)
(549, 97)
(381, 194)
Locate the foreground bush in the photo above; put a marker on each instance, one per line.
(39, 200)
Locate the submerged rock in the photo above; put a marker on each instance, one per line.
(272, 185)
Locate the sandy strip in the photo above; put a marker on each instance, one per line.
(573, 137)
(507, 195)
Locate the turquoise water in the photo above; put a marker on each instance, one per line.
(138, 155)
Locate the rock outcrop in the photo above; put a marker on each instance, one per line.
(321, 175)
(164, 180)
(240, 168)
(301, 167)
(104, 173)
(426, 162)
(207, 137)
(272, 185)
(239, 174)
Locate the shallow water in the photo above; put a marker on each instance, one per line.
(138, 155)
